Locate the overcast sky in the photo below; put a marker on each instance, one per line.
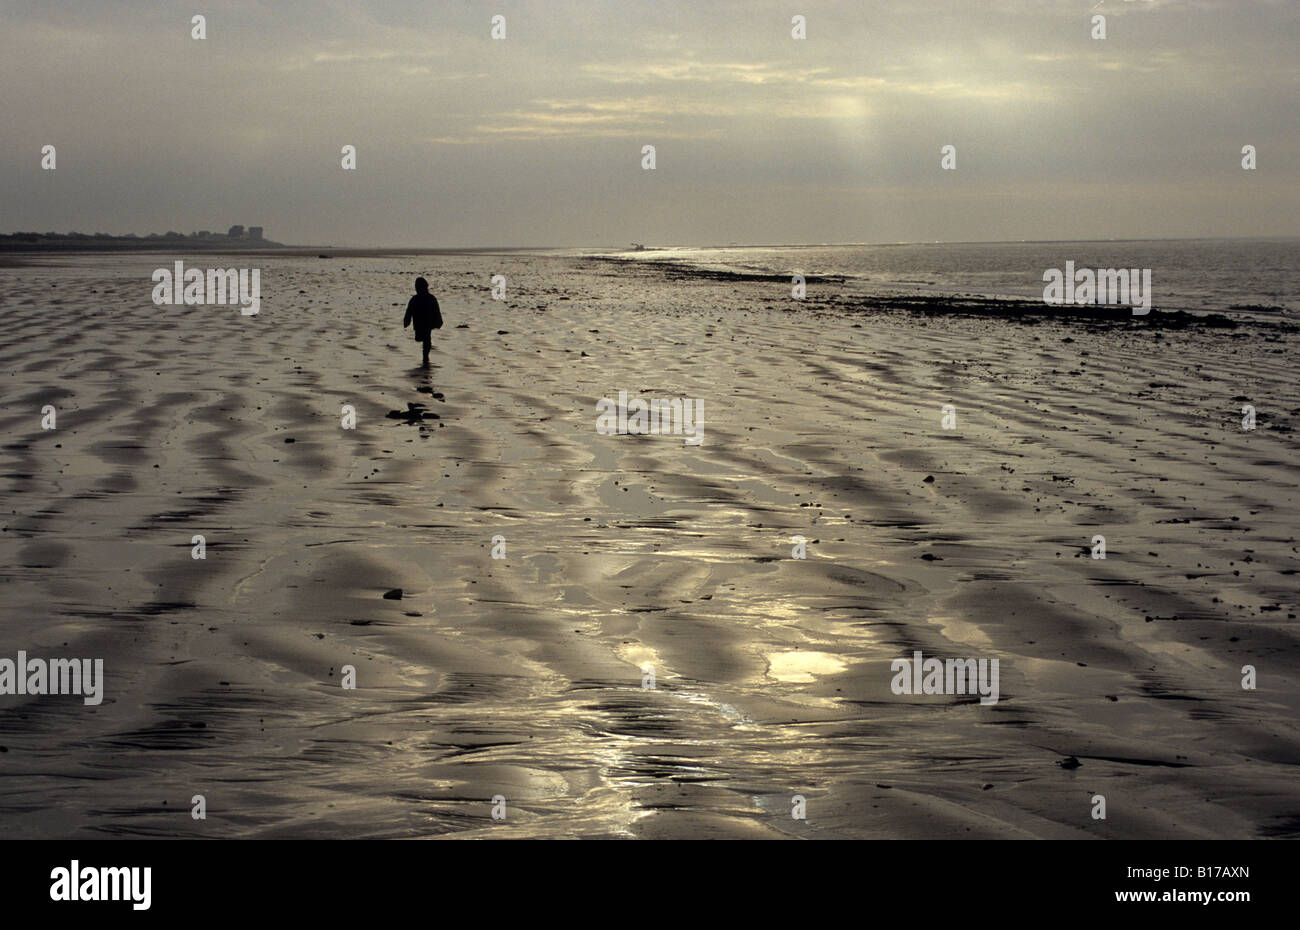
(463, 140)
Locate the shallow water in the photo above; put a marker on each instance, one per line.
(1187, 274)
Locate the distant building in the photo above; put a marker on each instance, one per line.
(236, 232)
(255, 232)
(204, 233)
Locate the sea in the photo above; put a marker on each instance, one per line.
(1245, 277)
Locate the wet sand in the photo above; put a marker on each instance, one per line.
(522, 677)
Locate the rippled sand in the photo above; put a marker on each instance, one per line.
(522, 677)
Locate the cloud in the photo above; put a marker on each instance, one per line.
(158, 131)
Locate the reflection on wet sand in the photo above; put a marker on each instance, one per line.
(525, 675)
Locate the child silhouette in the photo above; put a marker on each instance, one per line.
(422, 310)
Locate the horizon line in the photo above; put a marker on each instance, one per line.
(788, 245)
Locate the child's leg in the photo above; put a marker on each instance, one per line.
(427, 346)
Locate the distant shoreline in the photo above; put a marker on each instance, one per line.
(13, 244)
(247, 246)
